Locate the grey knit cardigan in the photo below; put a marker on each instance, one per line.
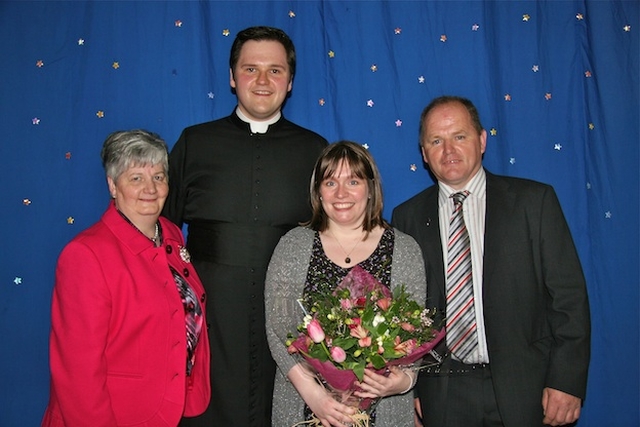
(284, 286)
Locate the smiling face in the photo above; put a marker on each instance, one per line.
(140, 193)
(344, 197)
(261, 78)
(451, 145)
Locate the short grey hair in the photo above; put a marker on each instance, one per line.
(124, 149)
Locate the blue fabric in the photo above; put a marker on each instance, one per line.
(556, 84)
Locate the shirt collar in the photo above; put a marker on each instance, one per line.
(258, 126)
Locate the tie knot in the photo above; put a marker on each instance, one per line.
(459, 197)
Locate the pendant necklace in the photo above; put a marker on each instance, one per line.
(347, 260)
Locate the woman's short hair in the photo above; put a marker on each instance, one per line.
(124, 149)
(362, 166)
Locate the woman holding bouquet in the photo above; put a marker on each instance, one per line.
(346, 229)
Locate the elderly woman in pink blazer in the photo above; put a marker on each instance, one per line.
(128, 342)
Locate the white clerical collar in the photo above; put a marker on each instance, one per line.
(256, 126)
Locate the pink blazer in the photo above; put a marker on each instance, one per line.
(118, 340)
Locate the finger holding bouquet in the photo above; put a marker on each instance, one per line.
(344, 296)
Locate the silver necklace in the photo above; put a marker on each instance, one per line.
(347, 259)
(156, 236)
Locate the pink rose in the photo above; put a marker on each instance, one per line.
(338, 354)
(315, 331)
(384, 303)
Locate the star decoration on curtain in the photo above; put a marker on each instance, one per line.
(67, 155)
(370, 103)
(331, 54)
(80, 42)
(507, 97)
(557, 147)
(39, 63)
(100, 114)
(321, 102)
(421, 79)
(535, 68)
(588, 186)
(35, 121)
(493, 132)
(374, 68)
(210, 95)
(178, 23)
(475, 27)
(587, 74)
(17, 280)
(366, 146)
(70, 220)
(592, 126)
(413, 167)
(512, 160)
(627, 28)
(443, 38)
(607, 214)
(292, 14)
(579, 17)
(226, 32)
(526, 17)
(115, 65)
(26, 202)
(547, 96)
(398, 123)
(397, 30)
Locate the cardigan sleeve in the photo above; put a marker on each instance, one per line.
(283, 288)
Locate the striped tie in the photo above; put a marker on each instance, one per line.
(461, 316)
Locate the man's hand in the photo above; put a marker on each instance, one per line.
(559, 408)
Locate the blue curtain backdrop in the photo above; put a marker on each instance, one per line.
(556, 83)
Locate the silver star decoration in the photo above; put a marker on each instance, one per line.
(557, 147)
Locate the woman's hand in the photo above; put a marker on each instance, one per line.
(397, 382)
(329, 411)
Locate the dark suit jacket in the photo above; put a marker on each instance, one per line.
(536, 310)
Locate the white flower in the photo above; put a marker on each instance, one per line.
(378, 319)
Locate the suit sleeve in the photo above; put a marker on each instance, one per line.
(568, 313)
(80, 313)
(174, 205)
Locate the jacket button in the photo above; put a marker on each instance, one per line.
(169, 249)
(203, 297)
(185, 272)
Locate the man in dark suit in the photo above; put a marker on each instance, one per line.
(523, 357)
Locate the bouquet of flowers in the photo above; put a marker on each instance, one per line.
(362, 325)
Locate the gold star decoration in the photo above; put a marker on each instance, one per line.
(493, 132)
(627, 28)
(592, 126)
(115, 65)
(39, 63)
(100, 114)
(579, 16)
(374, 68)
(226, 32)
(547, 96)
(70, 220)
(26, 202)
(331, 54)
(526, 17)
